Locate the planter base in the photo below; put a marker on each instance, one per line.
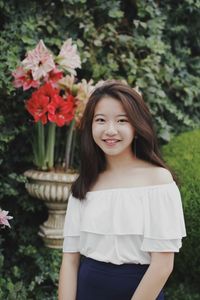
(54, 189)
(52, 230)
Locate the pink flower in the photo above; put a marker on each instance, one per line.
(24, 79)
(39, 61)
(68, 57)
(4, 218)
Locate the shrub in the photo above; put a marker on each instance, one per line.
(31, 274)
(181, 292)
(183, 155)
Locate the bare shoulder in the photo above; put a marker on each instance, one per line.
(148, 174)
(161, 175)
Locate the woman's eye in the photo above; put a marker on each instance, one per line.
(100, 120)
(123, 120)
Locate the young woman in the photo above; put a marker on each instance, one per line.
(124, 216)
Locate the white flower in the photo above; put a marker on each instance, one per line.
(136, 88)
(67, 82)
(39, 61)
(68, 57)
(84, 90)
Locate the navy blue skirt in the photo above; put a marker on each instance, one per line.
(106, 281)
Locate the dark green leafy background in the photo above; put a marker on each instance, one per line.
(152, 44)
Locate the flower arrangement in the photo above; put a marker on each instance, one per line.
(4, 218)
(56, 101)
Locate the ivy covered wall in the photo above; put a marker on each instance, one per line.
(152, 44)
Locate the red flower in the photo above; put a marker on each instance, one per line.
(48, 90)
(54, 75)
(61, 111)
(47, 100)
(37, 106)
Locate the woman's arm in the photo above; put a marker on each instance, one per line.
(155, 277)
(68, 276)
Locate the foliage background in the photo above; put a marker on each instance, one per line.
(152, 44)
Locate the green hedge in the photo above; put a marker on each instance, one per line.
(183, 155)
(32, 275)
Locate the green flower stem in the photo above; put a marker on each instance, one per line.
(50, 146)
(69, 144)
(73, 148)
(40, 144)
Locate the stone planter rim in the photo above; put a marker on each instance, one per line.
(51, 176)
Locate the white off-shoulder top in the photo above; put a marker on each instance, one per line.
(124, 225)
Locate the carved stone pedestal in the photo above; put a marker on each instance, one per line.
(54, 189)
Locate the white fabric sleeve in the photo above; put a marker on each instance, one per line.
(71, 230)
(156, 245)
(164, 224)
(71, 244)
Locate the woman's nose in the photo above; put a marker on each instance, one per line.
(111, 129)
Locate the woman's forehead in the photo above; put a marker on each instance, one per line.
(109, 105)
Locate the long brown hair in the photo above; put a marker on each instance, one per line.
(93, 159)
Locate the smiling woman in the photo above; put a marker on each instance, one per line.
(125, 213)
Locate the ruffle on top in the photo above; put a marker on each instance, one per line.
(152, 213)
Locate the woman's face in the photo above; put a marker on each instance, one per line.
(111, 129)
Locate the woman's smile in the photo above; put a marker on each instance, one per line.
(111, 142)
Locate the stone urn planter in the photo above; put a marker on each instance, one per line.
(53, 188)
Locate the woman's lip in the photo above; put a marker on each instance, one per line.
(110, 142)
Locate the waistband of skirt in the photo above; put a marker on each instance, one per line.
(110, 266)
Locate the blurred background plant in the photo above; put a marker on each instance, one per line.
(151, 44)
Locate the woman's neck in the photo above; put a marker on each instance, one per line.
(116, 163)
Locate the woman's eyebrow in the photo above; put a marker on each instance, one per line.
(98, 115)
(120, 115)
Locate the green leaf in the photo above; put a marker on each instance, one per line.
(115, 13)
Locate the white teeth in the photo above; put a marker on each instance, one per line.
(111, 142)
